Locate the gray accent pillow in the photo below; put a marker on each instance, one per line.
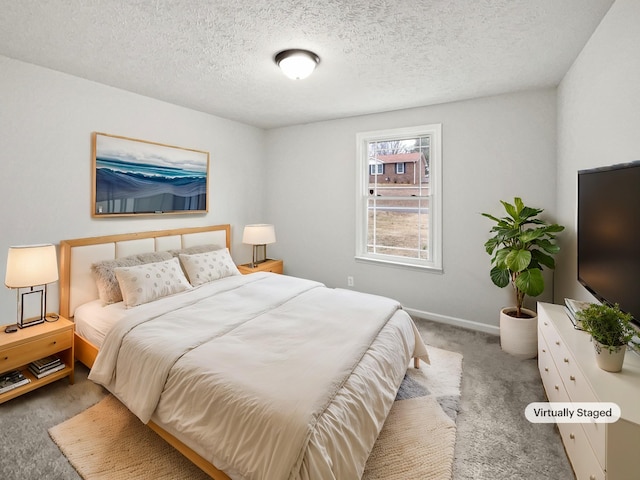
(194, 249)
(104, 275)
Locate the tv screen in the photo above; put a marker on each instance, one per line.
(609, 234)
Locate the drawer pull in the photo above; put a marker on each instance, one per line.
(558, 342)
(592, 477)
(546, 369)
(556, 387)
(572, 436)
(572, 378)
(6, 358)
(545, 324)
(566, 360)
(544, 351)
(55, 341)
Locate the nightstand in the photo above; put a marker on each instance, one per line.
(20, 348)
(274, 266)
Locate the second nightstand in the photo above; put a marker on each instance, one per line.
(274, 266)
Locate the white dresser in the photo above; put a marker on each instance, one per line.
(597, 451)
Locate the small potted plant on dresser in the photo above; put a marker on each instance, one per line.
(521, 245)
(611, 331)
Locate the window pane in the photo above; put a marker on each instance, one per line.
(398, 227)
(408, 161)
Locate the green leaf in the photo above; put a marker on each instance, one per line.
(519, 204)
(527, 212)
(501, 258)
(544, 259)
(530, 282)
(510, 209)
(555, 228)
(548, 246)
(530, 235)
(500, 276)
(490, 245)
(495, 219)
(518, 260)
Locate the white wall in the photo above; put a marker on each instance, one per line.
(46, 120)
(598, 120)
(493, 148)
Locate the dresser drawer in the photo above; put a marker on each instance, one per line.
(559, 351)
(14, 357)
(549, 373)
(583, 459)
(579, 390)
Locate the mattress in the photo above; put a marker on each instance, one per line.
(94, 319)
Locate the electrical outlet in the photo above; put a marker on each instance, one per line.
(349, 281)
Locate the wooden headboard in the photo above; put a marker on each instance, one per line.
(76, 256)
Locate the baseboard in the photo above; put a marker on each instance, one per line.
(458, 322)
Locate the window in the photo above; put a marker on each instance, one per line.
(376, 169)
(399, 219)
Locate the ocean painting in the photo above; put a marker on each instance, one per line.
(139, 177)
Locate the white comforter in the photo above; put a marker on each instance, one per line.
(266, 376)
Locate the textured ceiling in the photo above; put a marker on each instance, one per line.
(216, 56)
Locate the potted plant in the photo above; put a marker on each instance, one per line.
(611, 331)
(521, 245)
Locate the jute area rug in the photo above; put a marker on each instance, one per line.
(417, 441)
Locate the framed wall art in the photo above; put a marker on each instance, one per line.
(137, 177)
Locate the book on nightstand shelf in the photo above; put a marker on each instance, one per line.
(46, 366)
(11, 380)
(572, 307)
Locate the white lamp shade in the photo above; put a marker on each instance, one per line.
(297, 64)
(259, 234)
(31, 265)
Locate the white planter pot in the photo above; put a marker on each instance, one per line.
(611, 361)
(519, 336)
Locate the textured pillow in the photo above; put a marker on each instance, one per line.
(194, 249)
(103, 273)
(206, 267)
(144, 283)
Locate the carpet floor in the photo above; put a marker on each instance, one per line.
(107, 442)
(494, 441)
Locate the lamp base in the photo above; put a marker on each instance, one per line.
(11, 329)
(255, 260)
(32, 306)
(30, 322)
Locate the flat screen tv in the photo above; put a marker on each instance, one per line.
(609, 235)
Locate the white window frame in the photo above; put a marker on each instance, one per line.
(434, 263)
(400, 170)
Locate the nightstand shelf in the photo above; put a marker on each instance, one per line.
(274, 266)
(20, 348)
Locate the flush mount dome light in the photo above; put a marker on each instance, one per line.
(297, 64)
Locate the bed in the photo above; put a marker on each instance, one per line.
(259, 376)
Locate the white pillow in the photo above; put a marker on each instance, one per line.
(106, 281)
(144, 283)
(206, 267)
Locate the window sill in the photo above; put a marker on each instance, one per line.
(399, 264)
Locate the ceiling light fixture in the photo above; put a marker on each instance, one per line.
(297, 64)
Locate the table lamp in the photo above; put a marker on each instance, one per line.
(259, 235)
(29, 269)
